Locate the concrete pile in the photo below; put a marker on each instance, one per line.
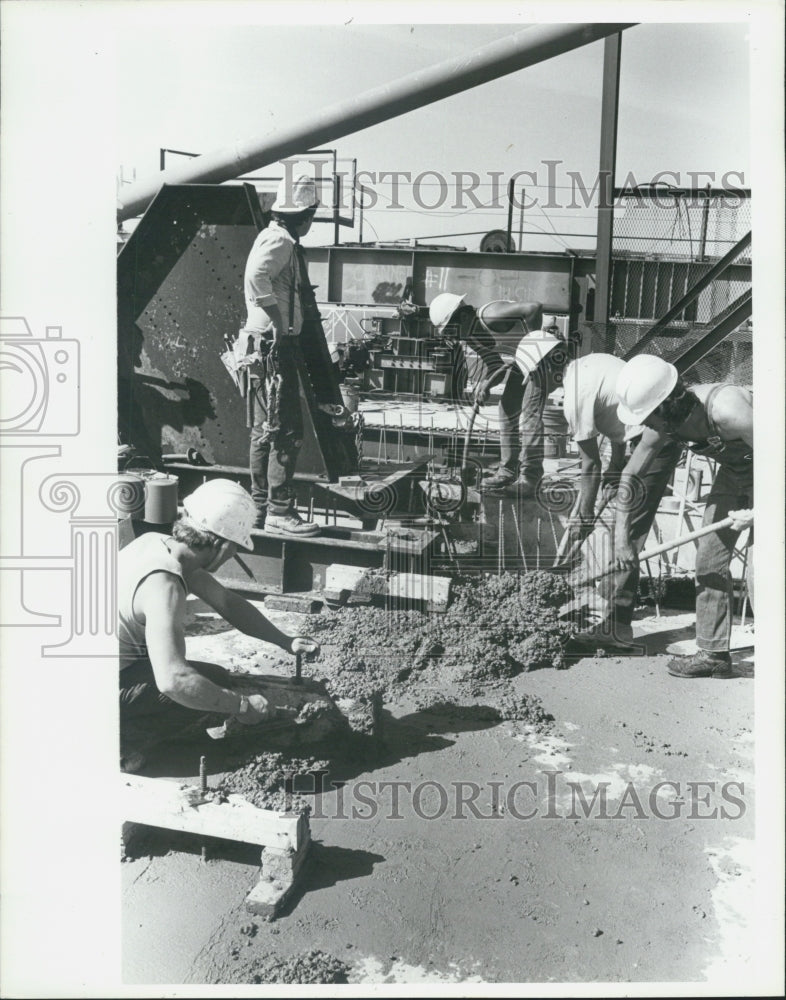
(496, 627)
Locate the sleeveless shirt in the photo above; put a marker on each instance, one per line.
(136, 562)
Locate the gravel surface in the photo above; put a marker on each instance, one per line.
(307, 967)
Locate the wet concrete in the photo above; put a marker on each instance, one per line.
(517, 884)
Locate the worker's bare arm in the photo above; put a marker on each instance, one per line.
(161, 601)
(732, 413)
(629, 494)
(240, 613)
(617, 461)
(276, 319)
(590, 477)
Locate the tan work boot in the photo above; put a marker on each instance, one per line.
(701, 664)
(291, 524)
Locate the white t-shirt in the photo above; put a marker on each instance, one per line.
(591, 399)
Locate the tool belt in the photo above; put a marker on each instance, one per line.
(271, 377)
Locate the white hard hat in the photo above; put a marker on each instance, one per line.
(295, 195)
(225, 508)
(642, 385)
(533, 348)
(442, 308)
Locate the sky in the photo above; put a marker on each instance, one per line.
(684, 106)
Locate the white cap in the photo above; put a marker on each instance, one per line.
(441, 310)
(533, 348)
(295, 195)
(225, 508)
(642, 386)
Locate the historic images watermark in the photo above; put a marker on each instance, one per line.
(462, 190)
(39, 405)
(547, 795)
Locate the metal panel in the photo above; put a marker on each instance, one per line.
(526, 277)
(180, 295)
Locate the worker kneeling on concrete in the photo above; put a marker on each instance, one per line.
(156, 572)
(590, 407)
(714, 420)
(539, 356)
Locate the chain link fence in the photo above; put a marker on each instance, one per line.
(664, 242)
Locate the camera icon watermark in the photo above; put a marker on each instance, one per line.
(39, 381)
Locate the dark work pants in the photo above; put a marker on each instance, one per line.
(276, 438)
(521, 426)
(621, 589)
(714, 589)
(145, 711)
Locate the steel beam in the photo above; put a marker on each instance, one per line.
(606, 168)
(740, 310)
(452, 76)
(690, 296)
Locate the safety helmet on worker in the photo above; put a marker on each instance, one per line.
(224, 508)
(296, 195)
(642, 385)
(442, 308)
(533, 348)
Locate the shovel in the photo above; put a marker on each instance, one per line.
(656, 550)
(563, 559)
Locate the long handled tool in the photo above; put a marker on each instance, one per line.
(468, 435)
(656, 550)
(473, 417)
(573, 607)
(563, 558)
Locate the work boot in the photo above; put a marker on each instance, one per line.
(524, 488)
(290, 523)
(606, 634)
(498, 480)
(701, 664)
(259, 523)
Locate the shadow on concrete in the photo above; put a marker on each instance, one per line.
(350, 753)
(326, 867)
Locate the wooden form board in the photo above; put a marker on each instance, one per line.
(433, 591)
(173, 806)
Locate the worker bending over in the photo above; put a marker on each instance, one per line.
(714, 420)
(156, 572)
(590, 407)
(517, 330)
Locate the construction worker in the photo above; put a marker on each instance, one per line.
(159, 687)
(503, 327)
(272, 285)
(714, 420)
(590, 407)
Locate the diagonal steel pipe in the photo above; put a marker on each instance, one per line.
(692, 293)
(720, 328)
(452, 76)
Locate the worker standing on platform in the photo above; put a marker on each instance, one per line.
(590, 407)
(158, 685)
(516, 329)
(713, 420)
(275, 318)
